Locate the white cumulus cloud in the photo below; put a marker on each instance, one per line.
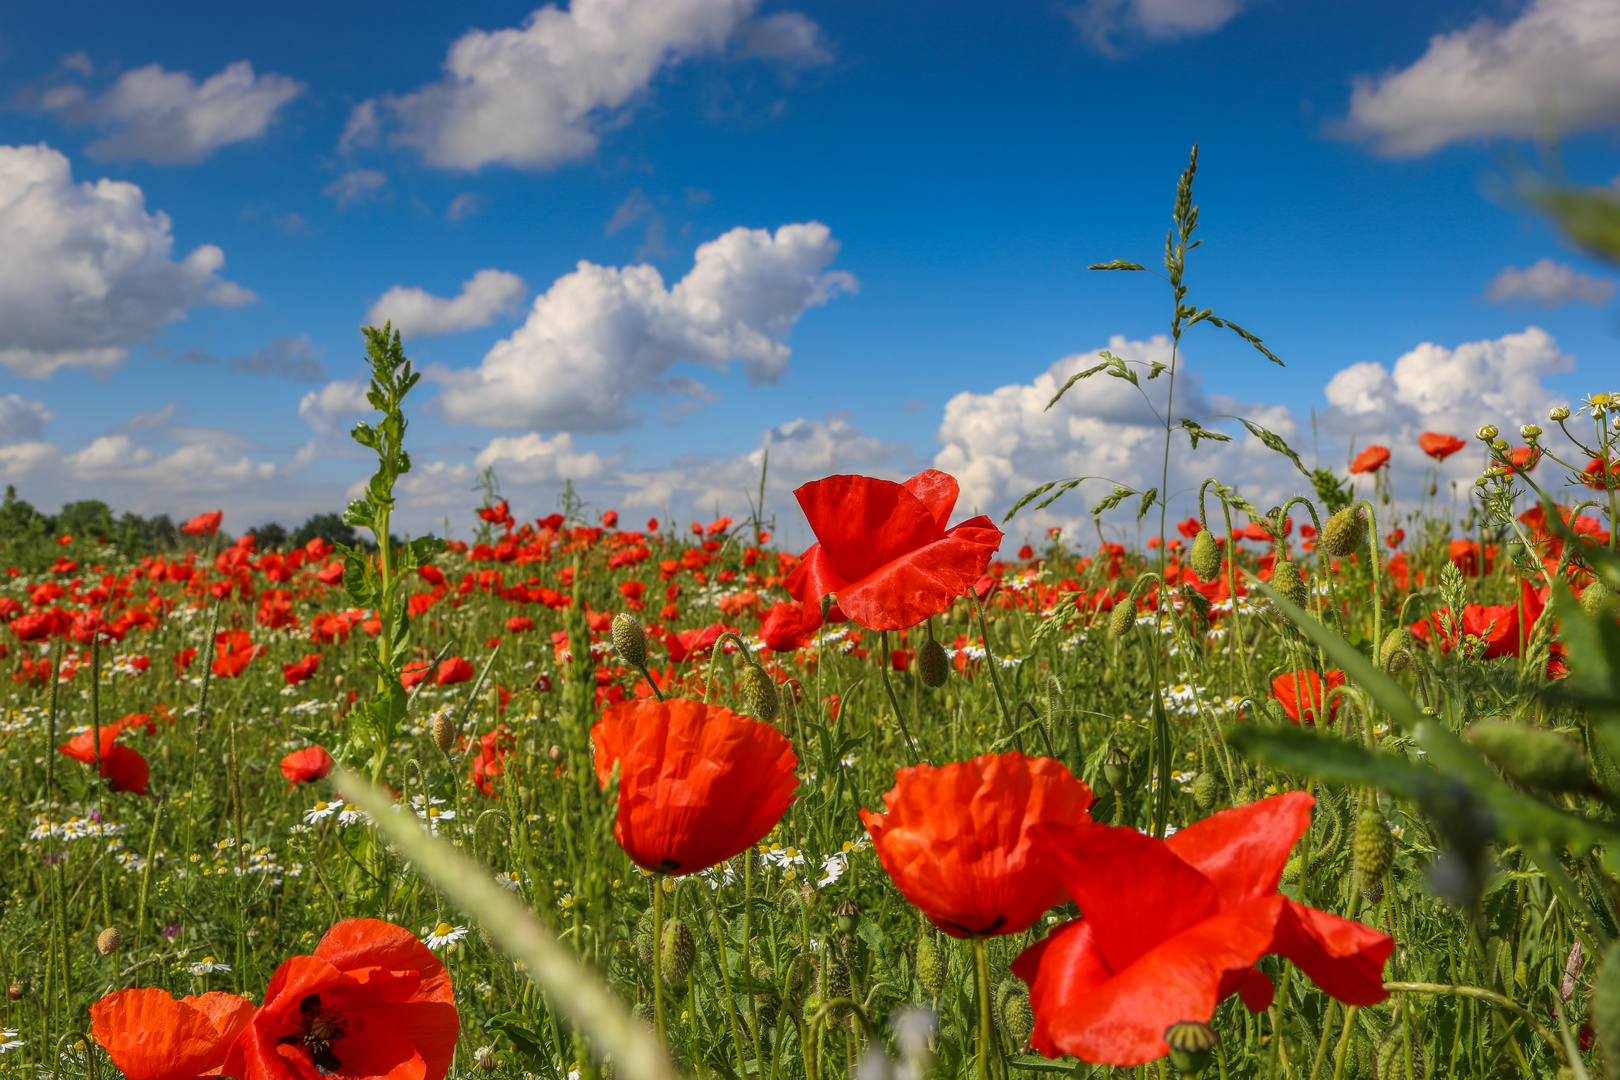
(1549, 284)
(1554, 67)
(167, 118)
(326, 408)
(88, 271)
(1099, 22)
(22, 420)
(488, 295)
(535, 96)
(533, 458)
(601, 337)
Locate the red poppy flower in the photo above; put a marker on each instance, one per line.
(518, 624)
(1497, 624)
(1594, 470)
(1374, 457)
(415, 672)
(123, 765)
(372, 1002)
(697, 783)
(233, 651)
(884, 550)
(698, 644)
(781, 628)
(454, 669)
(1440, 446)
(488, 764)
(1290, 686)
(203, 524)
(1173, 927)
(303, 670)
(957, 840)
(38, 625)
(151, 1036)
(306, 766)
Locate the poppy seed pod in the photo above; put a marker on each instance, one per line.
(1596, 596)
(1606, 1004)
(1373, 850)
(760, 693)
(1122, 618)
(1285, 578)
(677, 951)
(1395, 651)
(1117, 767)
(849, 915)
(1206, 556)
(1344, 532)
(1191, 1043)
(109, 941)
(933, 666)
(1532, 755)
(629, 640)
(933, 963)
(444, 731)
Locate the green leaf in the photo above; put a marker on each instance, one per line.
(359, 579)
(1335, 760)
(1274, 441)
(529, 1044)
(1086, 374)
(363, 434)
(358, 514)
(1117, 264)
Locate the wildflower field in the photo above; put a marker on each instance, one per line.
(1328, 789)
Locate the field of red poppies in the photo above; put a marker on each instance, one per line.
(1326, 790)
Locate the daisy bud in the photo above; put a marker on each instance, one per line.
(629, 640)
(761, 694)
(109, 941)
(933, 666)
(1532, 755)
(1286, 580)
(1191, 1042)
(1487, 433)
(1206, 556)
(1558, 415)
(1372, 852)
(486, 1061)
(1345, 532)
(1530, 433)
(1596, 596)
(444, 731)
(933, 963)
(678, 951)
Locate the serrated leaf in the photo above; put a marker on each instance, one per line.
(1275, 442)
(358, 580)
(364, 434)
(1086, 374)
(358, 514)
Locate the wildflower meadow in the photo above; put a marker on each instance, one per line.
(1327, 789)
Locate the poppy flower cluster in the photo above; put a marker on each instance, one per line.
(371, 1002)
(123, 766)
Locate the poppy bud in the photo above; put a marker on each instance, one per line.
(677, 951)
(109, 941)
(849, 915)
(1606, 1003)
(1392, 1055)
(1372, 851)
(1532, 755)
(1286, 580)
(1275, 711)
(934, 962)
(642, 1011)
(834, 981)
(933, 666)
(1395, 651)
(1206, 556)
(1344, 532)
(760, 692)
(1204, 791)
(1191, 1043)
(1117, 767)
(16, 992)
(1244, 796)
(444, 731)
(1596, 596)
(629, 640)
(1122, 618)
(1016, 1015)
(1292, 869)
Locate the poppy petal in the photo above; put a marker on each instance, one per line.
(357, 946)
(814, 578)
(1122, 1021)
(1344, 958)
(937, 491)
(1242, 851)
(862, 522)
(151, 1036)
(922, 583)
(1131, 887)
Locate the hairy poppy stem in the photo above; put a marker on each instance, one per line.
(658, 958)
(990, 663)
(981, 964)
(894, 703)
(725, 978)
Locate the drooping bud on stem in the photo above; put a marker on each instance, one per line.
(764, 701)
(1345, 532)
(629, 640)
(109, 941)
(1206, 556)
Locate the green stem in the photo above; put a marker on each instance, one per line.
(888, 687)
(981, 965)
(990, 663)
(658, 958)
(725, 977)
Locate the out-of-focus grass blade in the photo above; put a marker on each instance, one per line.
(574, 990)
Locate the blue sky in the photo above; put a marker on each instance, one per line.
(898, 201)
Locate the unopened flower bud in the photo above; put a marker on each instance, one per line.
(555, 753)
(1344, 533)
(678, 950)
(1596, 596)
(629, 640)
(933, 963)
(109, 941)
(1206, 556)
(1286, 580)
(1191, 1042)
(1395, 651)
(444, 731)
(1558, 415)
(1372, 852)
(486, 1061)
(933, 666)
(760, 692)
(1530, 433)
(1500, 445)
(16, 992)
(1487, 433)
(1122, 618)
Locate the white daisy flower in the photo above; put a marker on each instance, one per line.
(321, 811)
(444, 934)
(207, 965)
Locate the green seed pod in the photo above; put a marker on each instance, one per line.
(933, 666)
(1204, 791)
(629, 640)
(761, 694)
(1373, 851)
(1206, 556)
(1606, 1005)
(643, 938)
(1117, 767)
(1344, 533)
(1122, 618)
(1191, 1044)
(1395, 651)
(849, 915)
(1392, 1056)
(1014, 1011)
(933, 964)
(1596, 596)
(679, 951)
(1286, 580)
(1531, 755)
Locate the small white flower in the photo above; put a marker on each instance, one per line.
(207, 965)
(11, 1040)
(444, 934)
(509, 880)
(321, 811)
(351, 814)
